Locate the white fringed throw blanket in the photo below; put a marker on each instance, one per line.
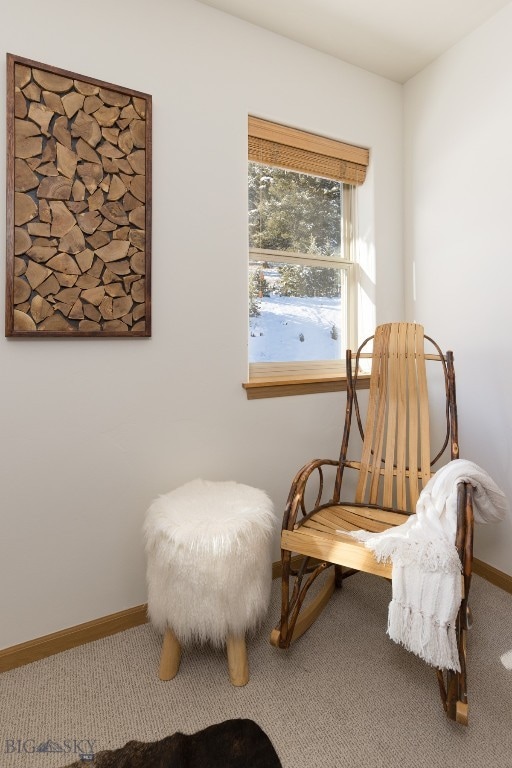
(426, 574)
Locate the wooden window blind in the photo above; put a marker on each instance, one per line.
(278, 145)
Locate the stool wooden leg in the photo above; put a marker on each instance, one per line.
(170, 656)
(237, 660)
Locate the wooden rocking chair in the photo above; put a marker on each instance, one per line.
(394, 465)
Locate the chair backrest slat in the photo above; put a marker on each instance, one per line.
(413, 415)
(370, 459)
(401, 423)
(395, 459)
(424, 415)
(393, 415)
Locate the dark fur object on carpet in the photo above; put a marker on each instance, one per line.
(231, 744)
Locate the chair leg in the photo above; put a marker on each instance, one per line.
(457, 698)
(453, 685)
(295, 619)
(170, 656)
(238, 664)
(455, 703)
(338, 576)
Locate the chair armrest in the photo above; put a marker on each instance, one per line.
(296, 501)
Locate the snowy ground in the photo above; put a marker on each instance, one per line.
(276, 334)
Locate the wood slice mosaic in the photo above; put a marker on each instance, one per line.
(78, 205)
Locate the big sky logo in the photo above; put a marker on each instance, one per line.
(82, 747)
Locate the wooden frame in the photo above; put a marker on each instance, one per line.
(78, 205)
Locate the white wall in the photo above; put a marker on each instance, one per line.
(458, 244)
(92, 430)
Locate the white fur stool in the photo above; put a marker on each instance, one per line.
(209, 569)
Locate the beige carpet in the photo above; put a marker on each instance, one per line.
(344, 695)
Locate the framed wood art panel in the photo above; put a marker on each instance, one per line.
(78, 205)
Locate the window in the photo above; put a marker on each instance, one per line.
(302, 273)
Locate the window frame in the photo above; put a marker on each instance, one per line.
(295, 150)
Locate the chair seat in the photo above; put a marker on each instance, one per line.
(354, 517)
(321, 535)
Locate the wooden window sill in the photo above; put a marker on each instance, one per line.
(261, 388)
